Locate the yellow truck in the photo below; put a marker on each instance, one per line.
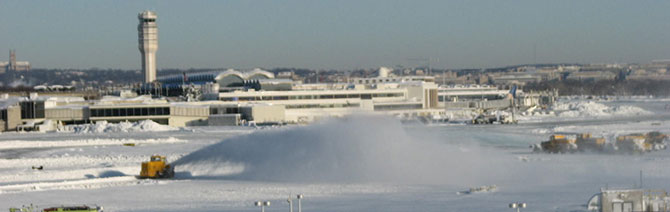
(559, 143)
(631, 143)
(638, 142)
(586, 141)
(157, 167)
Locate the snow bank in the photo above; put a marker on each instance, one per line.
(593, 109)
(105, 127)
(354, 149)
(20, 144)
(583, 109)
(76, 184)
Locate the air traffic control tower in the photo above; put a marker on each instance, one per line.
(148, 39)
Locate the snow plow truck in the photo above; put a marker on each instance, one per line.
(639, 143)
(632, 143)
(157, 167)
(558, 143)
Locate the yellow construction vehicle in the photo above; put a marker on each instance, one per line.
(631, 143)
(157, 167)
(656, 137)
(559, 143)
(637, 143)
(586, 142)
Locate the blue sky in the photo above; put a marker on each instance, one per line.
(340, 34)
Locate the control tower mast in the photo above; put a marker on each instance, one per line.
(148, 43)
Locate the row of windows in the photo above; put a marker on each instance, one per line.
(397, 107)
(144, 111)
(32, 110)
(368, 81)
(487, 97)
(321, 106)
(230, 110)
(196, 78)
(329, 96)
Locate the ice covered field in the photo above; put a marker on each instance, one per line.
(358, 163)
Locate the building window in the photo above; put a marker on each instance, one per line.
(166, 111)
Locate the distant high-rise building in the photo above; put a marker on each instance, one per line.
(14, 65)
(12, 60)
(148, 43)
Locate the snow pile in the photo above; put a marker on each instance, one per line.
(105, 127)
(460, 115)
(352, 149)
(480, 189)
(75, 184)
(583, 109)
(20, 144)
(593, 109)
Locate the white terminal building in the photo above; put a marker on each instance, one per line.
(233, 97)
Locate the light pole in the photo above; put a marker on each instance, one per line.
(290, 203)
(262, 205)
(517, 205)
(299, 204)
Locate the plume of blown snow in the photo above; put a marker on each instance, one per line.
(351, 149)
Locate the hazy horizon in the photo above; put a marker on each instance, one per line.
(337, 35)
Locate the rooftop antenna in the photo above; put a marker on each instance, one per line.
(640, 178)
(534, 54)
(429, 70)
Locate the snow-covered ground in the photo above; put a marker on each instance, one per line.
(364, 163)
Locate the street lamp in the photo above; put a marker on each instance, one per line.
(290, 203)
(517, 205)
(299, 204)
(262, 205)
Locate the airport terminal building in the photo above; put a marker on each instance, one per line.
(234, 97)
